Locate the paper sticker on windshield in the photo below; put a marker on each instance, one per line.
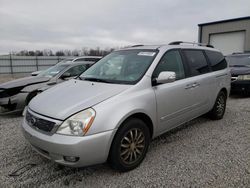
(54, 72)
(146, 53)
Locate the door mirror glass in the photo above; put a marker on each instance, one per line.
(166, 77)
(65, 75)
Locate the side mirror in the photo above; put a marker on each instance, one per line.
(35, 73)
(65, 75)
(166, 77)
(51, 83)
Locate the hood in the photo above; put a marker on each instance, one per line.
(22, 82)
(235, 71)
(65, 99)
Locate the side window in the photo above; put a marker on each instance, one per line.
(197, 62)
(76, 70)
(171, 61)
(217, 60)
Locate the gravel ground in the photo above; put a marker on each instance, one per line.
(201, 153)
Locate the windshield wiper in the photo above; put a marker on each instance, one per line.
(96, 80)
(78, 77)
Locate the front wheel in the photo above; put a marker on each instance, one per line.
(219, 107)
(130, 145)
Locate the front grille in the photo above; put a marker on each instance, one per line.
(39, 123)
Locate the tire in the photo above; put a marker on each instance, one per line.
(130, 145)
(219, 107)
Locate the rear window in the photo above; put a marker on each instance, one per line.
(217, 60)
(197, 62)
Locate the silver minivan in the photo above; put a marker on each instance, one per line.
(113, 110)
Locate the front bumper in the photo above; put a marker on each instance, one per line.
(240, 86)
(89, 150)
(12, 104)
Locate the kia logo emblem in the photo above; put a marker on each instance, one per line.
(33, 121)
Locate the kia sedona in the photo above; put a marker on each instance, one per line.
(113, 110)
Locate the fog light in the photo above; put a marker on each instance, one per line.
(71, 159)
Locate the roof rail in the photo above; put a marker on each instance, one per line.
(175, 43)
(199, 44)
(210, 46)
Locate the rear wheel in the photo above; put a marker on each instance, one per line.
(219, 107)
(130, 145)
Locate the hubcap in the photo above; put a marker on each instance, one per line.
(220, 105)
(132, 146)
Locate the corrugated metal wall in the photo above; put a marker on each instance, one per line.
(26, 64)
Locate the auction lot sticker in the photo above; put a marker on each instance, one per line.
(146, 53)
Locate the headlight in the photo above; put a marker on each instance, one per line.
(78, 124)
(243, 77)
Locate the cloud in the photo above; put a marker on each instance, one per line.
(64, 24)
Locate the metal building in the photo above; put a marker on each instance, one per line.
(229, 36)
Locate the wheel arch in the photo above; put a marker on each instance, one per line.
(31, 95)
(138, 115)
(224, 90)
(145, 118)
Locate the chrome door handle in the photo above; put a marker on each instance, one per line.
(188, 86)
(195, 84)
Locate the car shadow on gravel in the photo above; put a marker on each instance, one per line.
(172, 135)
(239, 96)
(10, 115)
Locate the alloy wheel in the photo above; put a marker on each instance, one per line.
(220, 105)
(132, 146)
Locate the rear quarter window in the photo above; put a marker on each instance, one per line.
(216, 60)
(197, 62)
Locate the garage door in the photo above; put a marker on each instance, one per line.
(228, 43)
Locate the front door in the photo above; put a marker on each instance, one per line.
(175, 101)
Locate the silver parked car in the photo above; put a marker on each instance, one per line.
(16, 94)
(123, 101)
(93, 59)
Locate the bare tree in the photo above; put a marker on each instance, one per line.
(85, 51)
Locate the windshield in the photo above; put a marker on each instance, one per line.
(122, 67)
(238, 60)
(53, 71)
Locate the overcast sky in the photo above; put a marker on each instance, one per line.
(73, 24)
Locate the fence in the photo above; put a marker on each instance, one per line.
(11, 64)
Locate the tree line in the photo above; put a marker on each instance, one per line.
(83, 52)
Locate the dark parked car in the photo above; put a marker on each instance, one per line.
(16, 94)
(240, 71)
